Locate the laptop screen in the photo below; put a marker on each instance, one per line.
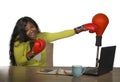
(107, 58)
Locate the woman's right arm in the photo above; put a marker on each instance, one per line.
(20, 50)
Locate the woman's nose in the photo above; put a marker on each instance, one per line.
(31, 31)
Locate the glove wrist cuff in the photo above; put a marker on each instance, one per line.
(30, 55)
(79, 29)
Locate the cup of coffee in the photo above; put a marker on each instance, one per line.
(77, 70)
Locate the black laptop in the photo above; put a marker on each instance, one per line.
(105, 63)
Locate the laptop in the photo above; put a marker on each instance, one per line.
(105, 63)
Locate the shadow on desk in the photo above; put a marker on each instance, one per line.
(103, 78)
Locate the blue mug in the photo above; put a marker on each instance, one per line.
(77, 70)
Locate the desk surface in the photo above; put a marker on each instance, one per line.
(28, 74)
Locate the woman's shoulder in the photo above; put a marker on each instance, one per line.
(42, 34)
(18, 43)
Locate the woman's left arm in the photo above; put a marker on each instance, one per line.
(49, 37)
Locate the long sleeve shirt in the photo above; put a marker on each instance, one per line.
(20, 49)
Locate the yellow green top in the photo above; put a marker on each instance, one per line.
(20, 49)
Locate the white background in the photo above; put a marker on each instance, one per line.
(59, 15)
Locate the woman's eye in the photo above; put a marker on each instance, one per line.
(32, 26)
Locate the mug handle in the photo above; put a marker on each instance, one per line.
(83, 69)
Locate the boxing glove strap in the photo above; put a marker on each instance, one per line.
(30, 55)
(79, 29)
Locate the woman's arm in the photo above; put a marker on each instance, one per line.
(49, 37)
(20, 50)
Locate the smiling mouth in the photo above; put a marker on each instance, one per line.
(33, 35)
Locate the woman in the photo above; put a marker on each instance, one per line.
(27, 41)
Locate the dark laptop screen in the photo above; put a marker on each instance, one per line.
(107, 58)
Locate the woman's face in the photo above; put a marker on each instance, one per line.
(31, 30)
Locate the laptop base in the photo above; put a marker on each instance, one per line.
(105, 63)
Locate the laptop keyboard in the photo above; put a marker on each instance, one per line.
(91, 70)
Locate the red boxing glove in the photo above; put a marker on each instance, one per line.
(89, 26)
(38, 46)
